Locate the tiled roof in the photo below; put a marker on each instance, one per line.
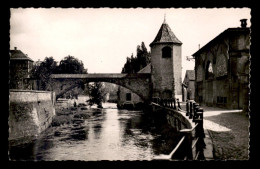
(165, 35)
(226, 33)
(18, 55)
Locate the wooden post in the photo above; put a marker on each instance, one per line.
(174, 102)
(178, 103)
(171, 102)
(190, 117)
(195, 106)
(199, 133)
(187, 144)
(187, 108)
(200, 113)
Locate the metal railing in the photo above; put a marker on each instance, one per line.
(192, 142)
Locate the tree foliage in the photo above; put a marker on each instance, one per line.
(96, 93)
(70, 65)
(43, 71)
(142, 59)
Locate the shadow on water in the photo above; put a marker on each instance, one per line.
(163, 138)
(22, 152)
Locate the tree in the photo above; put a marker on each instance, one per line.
(71, 65)
(96, 93)
(43, 71)
(142, 59)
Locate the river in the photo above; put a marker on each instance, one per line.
(108, 134)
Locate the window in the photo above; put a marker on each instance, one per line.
(209, 71)
(166, 52)
(128, 96)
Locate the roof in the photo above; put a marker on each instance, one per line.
(18, 55)
(146, 69)
(165, 35)
(225, 33)
(190, 74)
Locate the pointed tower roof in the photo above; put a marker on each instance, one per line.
(165, 35)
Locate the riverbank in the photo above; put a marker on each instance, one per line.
(70, 113)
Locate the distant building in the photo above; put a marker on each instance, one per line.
(222, 69)
(19, 70)
(189, 85)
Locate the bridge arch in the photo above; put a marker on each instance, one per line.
(139, 84)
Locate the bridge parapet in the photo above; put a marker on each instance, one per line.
(139, 83)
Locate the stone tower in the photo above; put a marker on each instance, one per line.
(166, 64)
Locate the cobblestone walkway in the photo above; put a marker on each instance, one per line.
(229, 130)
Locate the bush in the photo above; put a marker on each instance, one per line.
(62, 119)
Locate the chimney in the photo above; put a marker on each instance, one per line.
(15, 48)
(243, 23)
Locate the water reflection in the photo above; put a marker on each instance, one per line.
(109, 134)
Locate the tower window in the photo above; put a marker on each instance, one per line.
(166, 52)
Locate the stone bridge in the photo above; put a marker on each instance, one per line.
(139, 83)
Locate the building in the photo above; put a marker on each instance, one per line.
(189, 85)
(222, 69)
(166, 64)
(165, 68)
(19, 70)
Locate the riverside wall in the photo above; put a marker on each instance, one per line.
(175, 118)
(30, 113)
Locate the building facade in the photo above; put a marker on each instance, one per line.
(189, 85)
(19, 70)
(222, 69)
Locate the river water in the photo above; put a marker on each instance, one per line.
(108, 134)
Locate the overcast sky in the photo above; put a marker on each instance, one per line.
(103, 37)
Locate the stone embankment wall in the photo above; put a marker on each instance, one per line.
(175, 119)
(30, 113)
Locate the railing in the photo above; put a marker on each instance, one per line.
(193, 144)
(170, 102)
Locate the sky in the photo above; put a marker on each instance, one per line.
(102, 38)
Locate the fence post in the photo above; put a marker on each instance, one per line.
(178, 103)
(190, 117)
(174, 102)
(200, 113)
(196, 107)
(187, 144)
(171, 103)
(187, 108)
(199, 133)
